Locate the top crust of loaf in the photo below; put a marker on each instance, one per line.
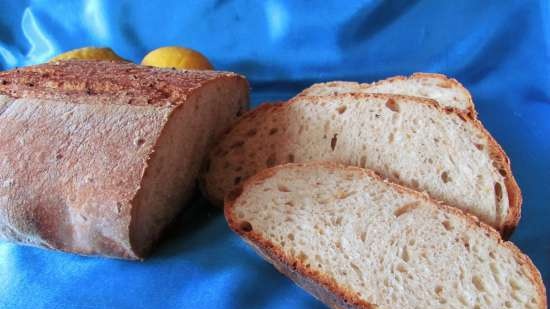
(443, 82)
(325, 287)
(74, 80)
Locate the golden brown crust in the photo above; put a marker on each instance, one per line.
(344, 298)
(77, 140)
(74, 80)
(447, 82)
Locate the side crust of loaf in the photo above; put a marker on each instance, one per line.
(80, 139)
(322, 286)
(501, 161)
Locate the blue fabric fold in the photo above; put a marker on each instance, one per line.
(499, 50)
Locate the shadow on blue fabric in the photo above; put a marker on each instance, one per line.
(499, 50)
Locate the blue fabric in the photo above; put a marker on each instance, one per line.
(499, 50)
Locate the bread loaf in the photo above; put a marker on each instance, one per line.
(356, 241)
(409, 140)
(98, 157)
(447, 92)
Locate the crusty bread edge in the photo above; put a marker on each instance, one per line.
(496, 152)
(471, 112)
(450, 82)
(315, 282)
(503, 165)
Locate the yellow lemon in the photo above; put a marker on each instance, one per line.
(176, 57)
(89, 53)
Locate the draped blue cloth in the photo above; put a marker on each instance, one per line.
(500, 50)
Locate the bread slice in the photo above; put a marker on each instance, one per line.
(98, 157)
(448, 92)
(354, 240)
(409, 140)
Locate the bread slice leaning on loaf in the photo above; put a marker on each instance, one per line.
(354, 240)
(98, 157)
(448, 92)
(409, 140)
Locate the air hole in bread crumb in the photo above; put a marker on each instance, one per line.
(283, 188)
(436, 140)
(498, 191)
(273, 131)
(445, 177)
(479, 146)
(502, 172)
(466, 243)
(414, 184)
(405, 255)
(392, 105)
(363, 161)
(245, 226)
(290, 236)
(271, 160)
(478, 283)
(396, 175)
(390, 138)
(302, 256)
(438, 289)
(405, 208)
(333, 141)
(139, 141)
(447, 225)
(401, 268)
(363, 236)
(341, 109)
(514, 284)
(356, 269)
(344, 194)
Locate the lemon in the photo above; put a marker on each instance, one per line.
(176, 57)
(88, 53)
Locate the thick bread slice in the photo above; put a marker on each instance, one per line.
(409, 140)
(97, 157)
(354, 240)
(448, 92)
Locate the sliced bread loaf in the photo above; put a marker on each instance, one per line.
(448, 92)
(409, 140)
(98, 157)
(354, 240)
